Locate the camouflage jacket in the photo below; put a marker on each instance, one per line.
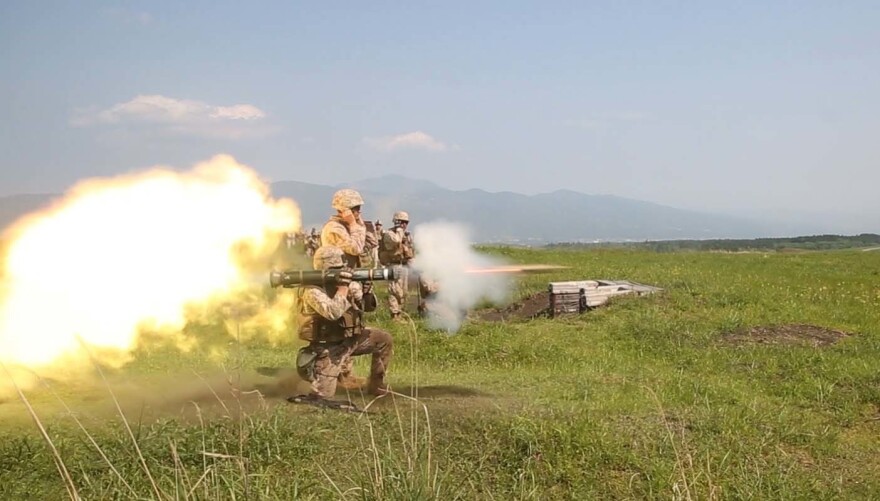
(326, 319)
(312, 242)
(397, 246)
(350, 240)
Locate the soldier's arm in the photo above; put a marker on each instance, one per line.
(351, 241)
(358, 232)
(370, 241)
(328, 307)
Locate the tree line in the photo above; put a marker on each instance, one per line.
(812, 242)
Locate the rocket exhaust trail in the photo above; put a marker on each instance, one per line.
(517, 269)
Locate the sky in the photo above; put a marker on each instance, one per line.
(760, 108)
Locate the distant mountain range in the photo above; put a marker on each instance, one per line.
(560, 216)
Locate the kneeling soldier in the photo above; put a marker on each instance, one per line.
(332, 322)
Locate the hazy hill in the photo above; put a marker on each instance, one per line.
(561, 216)
(511, 217)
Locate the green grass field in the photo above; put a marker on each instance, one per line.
(644, 398)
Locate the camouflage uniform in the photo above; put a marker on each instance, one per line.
(374, 249)
(427, 290)
(333, 325)
(430, 307)
(351, 238)
(311, 243)
(397, 250)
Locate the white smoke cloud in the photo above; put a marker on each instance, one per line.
(180, 116)
(410, 141)
(445, 255)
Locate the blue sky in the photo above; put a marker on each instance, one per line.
(762, 108)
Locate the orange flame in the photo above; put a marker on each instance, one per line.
(117, 254)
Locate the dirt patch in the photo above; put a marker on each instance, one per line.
(216, 396)
(788, 334)
(536, 305)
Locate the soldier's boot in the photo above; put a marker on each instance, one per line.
(351, 382)
(377, 386)
(398, 318)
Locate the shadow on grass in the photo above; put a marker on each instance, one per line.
(193, 397)
(286, 380)
(287, 383)
(440, 391)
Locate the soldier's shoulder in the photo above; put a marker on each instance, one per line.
(333, 226)
(309, 290)
(313, 294)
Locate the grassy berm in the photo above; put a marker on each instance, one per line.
(752, 376)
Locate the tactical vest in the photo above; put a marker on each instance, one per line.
(351, 261)
(315, 328)
(401, 254)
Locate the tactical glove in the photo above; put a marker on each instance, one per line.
(343, 277)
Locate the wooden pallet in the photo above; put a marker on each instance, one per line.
(578, 296)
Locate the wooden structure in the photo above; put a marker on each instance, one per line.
(578, 296)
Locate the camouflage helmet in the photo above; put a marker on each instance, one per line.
(327, 257)
(346, 199)
(400, 216)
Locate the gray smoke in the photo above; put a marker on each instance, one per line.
(444, 255)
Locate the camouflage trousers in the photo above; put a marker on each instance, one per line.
(334, 358)
(427, 290)
(397, 290)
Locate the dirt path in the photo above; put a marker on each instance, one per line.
(787, 334)
(536, 305)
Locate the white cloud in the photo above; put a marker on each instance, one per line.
(178, 116)
(238, 112)
(410, 141)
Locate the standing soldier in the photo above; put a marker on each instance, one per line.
(346, 231)
(397, 250)
(374, 252)
(331, 320)
(312, 242)
(371, 243)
